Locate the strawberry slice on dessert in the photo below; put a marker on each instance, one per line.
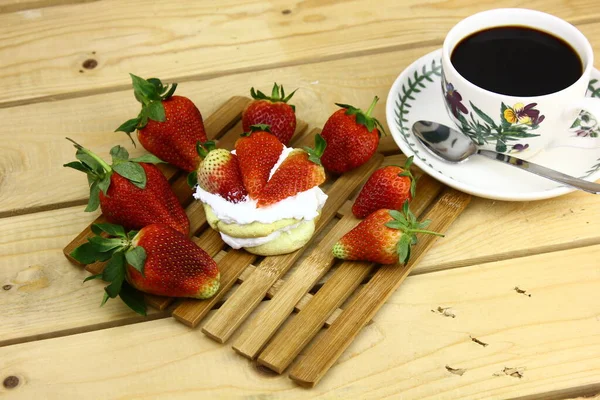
(219, 173)
(300, 171)
(257, 152)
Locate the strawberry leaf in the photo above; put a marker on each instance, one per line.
(156, 111)
(398, 216)
(133, 298)
(94, 201)
(192, 179)
(91, 277)
(136, 257)
(87, 254)
(404, 248)
(147, 158)
(119, 154)
(78, 166)
(144, 90)
(157, 83)
(315, 154)
(102, 244)
(111, 229)
(128, 126)
(114, 272)
(132, 172)
(104, 299)
(104, 183)
(170, 92)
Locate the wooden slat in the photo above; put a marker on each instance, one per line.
(304, 277)
(290, 340)
(7, 6)
(402, 355)
(383, 284)
(237, 308)
(168, 46)
(291, 291)
(217, 124)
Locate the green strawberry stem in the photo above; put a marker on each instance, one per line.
(277, 95)
(119, 251)
(372, 106)
(150, 93)
(424, 231)
(107, 168)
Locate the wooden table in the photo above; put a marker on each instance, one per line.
(507, 306)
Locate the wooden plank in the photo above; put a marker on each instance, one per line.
(237, 308)
(42, 294)
(91, 61)
(403, 354)
(289, 341)
(9, 6)
(217, 124)
(307, 273)
(383, 284)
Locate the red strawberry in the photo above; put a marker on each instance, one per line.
(389, 187)
(132, 193)
(352, 138)
(384, 237)
(219, 173)
(257, 152)
(273, 111)
(168, 126)
(300, 171)
(157, 260)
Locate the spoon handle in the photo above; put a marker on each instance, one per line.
(548, 173)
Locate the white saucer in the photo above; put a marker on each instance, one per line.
(416, 94)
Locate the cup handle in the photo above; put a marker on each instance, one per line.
(592, 106)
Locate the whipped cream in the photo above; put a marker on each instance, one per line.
(303, 206)
(238, 243)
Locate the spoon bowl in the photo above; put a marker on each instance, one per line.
(453, 146)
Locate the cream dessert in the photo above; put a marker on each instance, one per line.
(279, 213)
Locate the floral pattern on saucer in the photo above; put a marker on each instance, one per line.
(412, 98)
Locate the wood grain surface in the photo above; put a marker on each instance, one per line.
(505, 307)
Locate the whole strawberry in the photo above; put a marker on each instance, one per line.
(273, 111)
(130, 192)
(257, 152)
(389, 187)
(168, 126)
(219, 173)
(300, 171)
(352, 137)
(384, 237)
(157, 260)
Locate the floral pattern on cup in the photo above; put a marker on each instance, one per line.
(516, 122)
(586, 126)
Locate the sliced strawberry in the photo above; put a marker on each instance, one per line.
(219, 173)
(300, 171)
(257, 152)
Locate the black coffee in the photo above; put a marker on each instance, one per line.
(517, 61)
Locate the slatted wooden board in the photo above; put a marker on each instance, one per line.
(275, 336)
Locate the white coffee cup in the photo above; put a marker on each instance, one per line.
(516, 118)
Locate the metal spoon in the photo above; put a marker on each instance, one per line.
(454, 146)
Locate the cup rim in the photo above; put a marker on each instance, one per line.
(587, 48)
